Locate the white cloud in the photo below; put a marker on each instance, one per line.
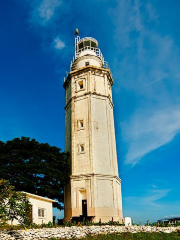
(58, 44)
(44, 16)
(150, 70)
(154, 196)
(47, 9)
(44, 10)
(146, 131)
(150, 199)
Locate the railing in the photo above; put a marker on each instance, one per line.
(106, 65)
(87, 38)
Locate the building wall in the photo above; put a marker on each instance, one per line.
(47, 206)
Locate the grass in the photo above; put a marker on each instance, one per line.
(134, 236)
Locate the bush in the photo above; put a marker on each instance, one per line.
(50, 224)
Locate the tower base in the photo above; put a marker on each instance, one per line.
(94, 197)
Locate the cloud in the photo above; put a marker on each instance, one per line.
(58, 43)
(154, 196)
(44, 10)
(44, 18)
(150, 199)
(147, 64)
(146, 131)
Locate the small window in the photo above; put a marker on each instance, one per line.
(86, 63)
(80, 124)
(81, 148)
(41, 212)
(80, 84)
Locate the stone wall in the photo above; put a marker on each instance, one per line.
(78, 232)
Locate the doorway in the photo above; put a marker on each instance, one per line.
(84, 208)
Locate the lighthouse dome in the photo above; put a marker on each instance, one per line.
(87, 53)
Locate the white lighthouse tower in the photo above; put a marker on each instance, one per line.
(94, 187)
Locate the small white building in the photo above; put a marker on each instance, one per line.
(127, 221)
(42, 211)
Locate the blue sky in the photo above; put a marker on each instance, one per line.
(141, 41)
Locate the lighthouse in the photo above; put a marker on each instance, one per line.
(93, 191)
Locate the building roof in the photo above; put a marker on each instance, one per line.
(39, 197)
(169, 219)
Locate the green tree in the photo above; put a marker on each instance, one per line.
(34, 167)
(13, 204)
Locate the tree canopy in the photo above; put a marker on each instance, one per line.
(34, 167)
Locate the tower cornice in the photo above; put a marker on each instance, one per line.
(96, 175)
(90, 93)
(86, 69)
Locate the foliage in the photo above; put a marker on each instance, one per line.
(43, 225)
(34, 167)
(29, 226)
(147, 223)
(13, 205)
(90, 223)
(50, 224)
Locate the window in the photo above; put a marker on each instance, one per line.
(41, 212)
(81, 148)
(87, 44)
(86, 63)
(93, 44)
(81, 45)
(80, 124)
(80, 84)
